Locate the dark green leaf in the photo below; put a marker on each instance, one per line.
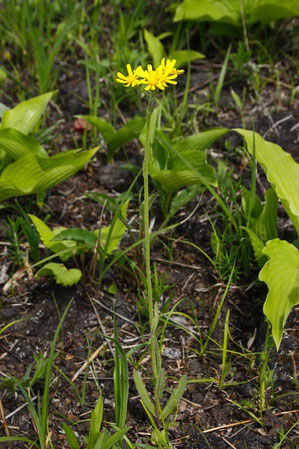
(77, 235)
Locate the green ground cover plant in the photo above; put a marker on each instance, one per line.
(235, 12)
(281, 272)
(75, 242)
(26, 167)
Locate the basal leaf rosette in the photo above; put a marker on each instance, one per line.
(281, 274)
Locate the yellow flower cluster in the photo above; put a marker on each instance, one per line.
(165, 74)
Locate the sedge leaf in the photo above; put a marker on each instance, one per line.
(71, 437)
(175, 396)
(143, 393)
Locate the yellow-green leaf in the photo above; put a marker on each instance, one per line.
(281, 274)
(26, 114)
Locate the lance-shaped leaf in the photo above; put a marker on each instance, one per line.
(281, 169)
(200, 141)
(175, 396)
(112, 441)
(115, 139)
(143, 393)
(26, 114)
(160, 384)
(155, 47)
(182, 57)
(111, 235)
(95, 422)
(281, 274)
(71, 437)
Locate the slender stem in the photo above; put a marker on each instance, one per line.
(147, 242)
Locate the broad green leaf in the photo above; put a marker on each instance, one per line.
(74, 158)
(171, 180)
(62, 275)
(194, 157)
(7, 190)
(16, 144)
(77, 235)
(26, 114)
(281, 170)
(281, 274)
(200, 141)
(208, 10)
(175, 396)
(229, 11)
(182, 57)
(4, 160)
(143, 393)
(105, 128)
(112, 235)
(129, 131)
(3, 107)
(47, 235)
(155, 48)
(115, 139)
(71, 437)
(23, 174)
(33, 173)
(268, 11)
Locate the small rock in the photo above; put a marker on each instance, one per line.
(8, 313)
(172, 353)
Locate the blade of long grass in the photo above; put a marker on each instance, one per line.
(215, 320)
(220, 82)
(224, 350)
(45, 404)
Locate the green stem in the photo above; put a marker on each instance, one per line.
(147, 242)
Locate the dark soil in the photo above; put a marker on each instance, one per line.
(209, 415)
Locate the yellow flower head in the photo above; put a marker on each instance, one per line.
(165, 74)
(132, 79)
(169, 68)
